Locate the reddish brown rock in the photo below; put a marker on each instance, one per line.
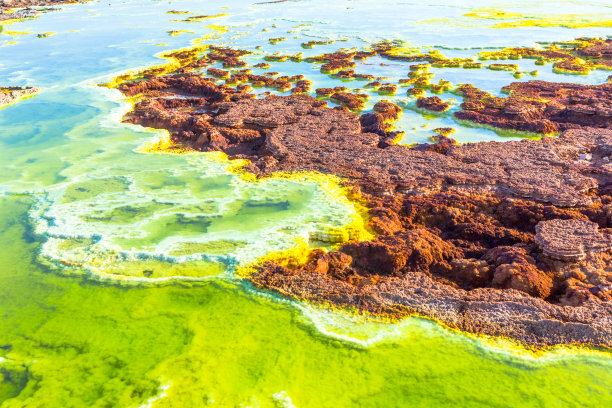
(381, 119)
(218, 73)
(441, 146)
(508, 313)
(457, 226)
(350, 100)
(312, 43)
(351, 74)
(228, 56)
(516, 269)
(540, 107)
(336, 65)
(571, 239)
(599, 49)
(387, 89)
(302, 87)
(432, 103)
(394, 255)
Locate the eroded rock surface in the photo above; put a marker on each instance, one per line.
(540, 107)
(463, 231)
(571, 240)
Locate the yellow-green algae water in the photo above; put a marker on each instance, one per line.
(74, 342)
(118, 284)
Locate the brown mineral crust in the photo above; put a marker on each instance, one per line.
(573, 57)
(430, 57)
(335, 62)
(526, 52)
(414, 250)
(337, 65)
(570, 240)
(363, 77)
(432, 103)
(276, 40)
(548, 170)
(324, 92)
(189, 60)
(503, 67)
(545, 170)
(333, 56)
(441, 146)
(456, 229)
(508, 313)
(541, 107)
(302, 87)
(415, 92)
(351, 74)
(218, 73)
(387, 89)
(350, 100)
(514, 268)
(472, 232)
(363, 55)
(182, 85)
(312, 43)
(223, 53)
(600, 49)
(571, 65)
(444, 131)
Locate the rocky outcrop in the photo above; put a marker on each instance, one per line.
(578, 57)
(432, 103)
(461, 229)
(570, 240)
(508, 313)
(539, 107)
(600, 49)
(352, 101)
(381, 120)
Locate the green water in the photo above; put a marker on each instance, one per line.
(117, 284)
(73, 342)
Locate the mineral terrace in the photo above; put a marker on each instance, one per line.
(507, 239)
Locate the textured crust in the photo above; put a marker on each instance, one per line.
(463, 231)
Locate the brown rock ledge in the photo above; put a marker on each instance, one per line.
(539, 106)
(571, 240)
(456, 227)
